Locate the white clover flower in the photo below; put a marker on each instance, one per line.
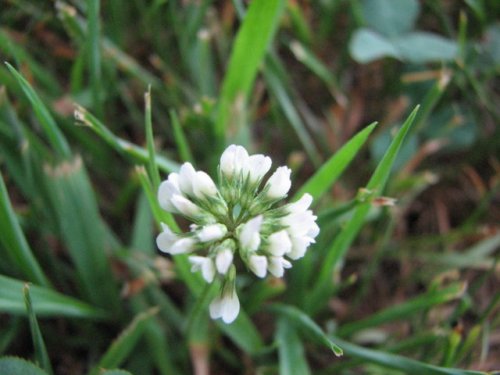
(236, 217)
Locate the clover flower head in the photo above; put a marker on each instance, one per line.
(240, 216)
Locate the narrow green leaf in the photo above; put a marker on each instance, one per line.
(123, 146)
(292, 358)
(336, 252)
(330, 171)
(115, 372)
(83, 231)
(244, 333)
(94, 54)
(18, 366)
(404, 310)
(180, 138)
(305, 323)
(125, 343)
(251, 43)
(14, 241)
(47, 122)
(46, 302)
(394, 361)
(153, 168)
(41, 355)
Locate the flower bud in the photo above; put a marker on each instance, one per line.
(182, 245)
(233, 160)
(258, 166)
(166, 239)
(167, 189)
(301, 205)
(277, 265)
(187, 176)
(227, 305)
(223, 260)
(279, 183)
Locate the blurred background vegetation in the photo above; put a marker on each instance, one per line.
(414, 291)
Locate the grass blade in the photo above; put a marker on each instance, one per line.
(180, 138)
(330, 171)
(14, 241)
(46, 302)
(41, 355)
(125, 343)
(47, 122)
(292, 358)
(252, 41)
(336, 252)
(153, 168)
(405, 309)
(124, 147)
(94, 54)
(398, 362)
(305, 323)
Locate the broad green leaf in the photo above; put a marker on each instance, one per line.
(250, 46)
(14, 242)
(292, 358)
(18, 366)
(50, 127)
(323, 286)
(41, 355)
(46, 302)
(390, 17)
(367, 45)
(423, 47)
(330, 171)
(125, 343)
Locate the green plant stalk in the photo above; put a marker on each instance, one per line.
(41, 355)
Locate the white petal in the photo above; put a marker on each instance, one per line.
(185, 206)
(187, 175)
(259, 165)
(279, 183)
(279, 243)
(300, 223)
(223, 260)
(212, 232)
(249, 235)
(277, 266)
(206, 265)
(165, 239)
(182, 246)
(166, 190)
(258, 265)
(203, 186)
(299, 246)
(226, 307)
(301, 205)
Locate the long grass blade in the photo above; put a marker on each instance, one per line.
(46, 302)
(331, 170)
(56, 138)
(251, 43)
(41, 355)
(14, 242)
(292, 359)
(336, 252)
(125, 343)
(17, 366)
